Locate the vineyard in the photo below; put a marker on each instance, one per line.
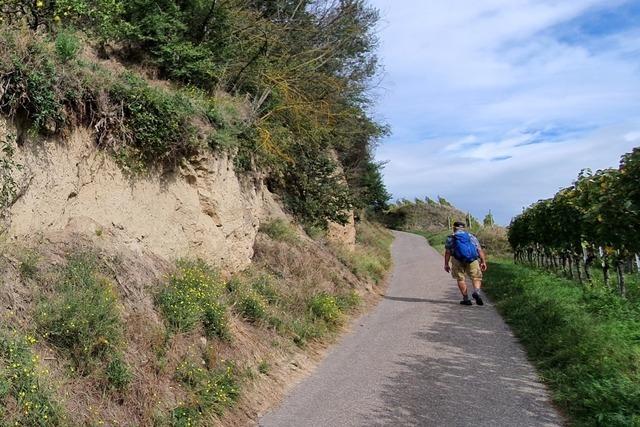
(591, 226)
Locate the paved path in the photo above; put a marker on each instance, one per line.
(421, 359)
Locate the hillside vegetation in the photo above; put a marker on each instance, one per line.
(98, 334)
(282, 85)
(137, 132)
(434, 219)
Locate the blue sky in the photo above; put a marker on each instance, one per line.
(495, 104)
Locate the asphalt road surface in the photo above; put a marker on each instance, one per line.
(421, 359)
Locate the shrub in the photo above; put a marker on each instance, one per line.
(67, 46)
(118, 374)
(212, 389)
(82, 316)
(158, 123)
(193, 296)
(20, 380)
(325, 307)
(279, 229)
(252, 306)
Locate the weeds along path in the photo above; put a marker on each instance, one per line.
(421, 359)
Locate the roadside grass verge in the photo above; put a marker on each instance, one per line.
(370, 259)
(435, 239)
(585, 342)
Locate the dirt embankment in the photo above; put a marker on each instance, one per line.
(71, 198)
(202, 209)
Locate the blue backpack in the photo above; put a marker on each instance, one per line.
(463, 248)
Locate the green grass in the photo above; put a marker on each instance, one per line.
(371, 258)
(435, 239)
(281, 230)
(211, 390)
(193, 296)
(584, 341)
(324, 306)
(82, 316)
(21, 382)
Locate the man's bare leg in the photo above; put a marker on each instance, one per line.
(477, 284)
(462, 285)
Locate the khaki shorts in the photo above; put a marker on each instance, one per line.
(459, 269)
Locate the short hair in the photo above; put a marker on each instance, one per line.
(459, 224)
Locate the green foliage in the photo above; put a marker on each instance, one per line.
(20, 381)
(118, 374)
(371, 258)
(67, 46)
(265, 286)
(192, 296)
(264, 367)
(324, 306)
(348, 301)
(82, 317)
(279, 229)
(315, 192)
(488, 220)
(600, 211)
(212, 390)
(158, 123)
(305, 68)
(251, 305)
(444, 201)
(583, 340)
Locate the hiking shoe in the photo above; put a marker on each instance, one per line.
(466, 302)
(477, 298)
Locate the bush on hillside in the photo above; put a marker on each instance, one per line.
(82, 316)
(193, 296)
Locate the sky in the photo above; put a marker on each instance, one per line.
(495, 104)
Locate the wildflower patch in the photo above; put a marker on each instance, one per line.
(192, 296)
(23, 398)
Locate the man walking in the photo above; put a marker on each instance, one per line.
(467, 258)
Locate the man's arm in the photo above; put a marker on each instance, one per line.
(483, 260)
(483, 257)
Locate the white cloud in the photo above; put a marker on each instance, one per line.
(470, 81)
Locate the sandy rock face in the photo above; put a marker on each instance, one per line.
(343, 234)
(203, 209)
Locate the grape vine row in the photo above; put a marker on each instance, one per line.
(595, 221)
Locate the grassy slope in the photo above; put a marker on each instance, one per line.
(191, 347)
(585, 342)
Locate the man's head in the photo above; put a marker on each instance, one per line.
(459, 226)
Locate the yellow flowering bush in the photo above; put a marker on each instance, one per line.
(213, 390)
(82, 316)
(192, 296)
(19, 379)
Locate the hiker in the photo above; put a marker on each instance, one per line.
(467, 258)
